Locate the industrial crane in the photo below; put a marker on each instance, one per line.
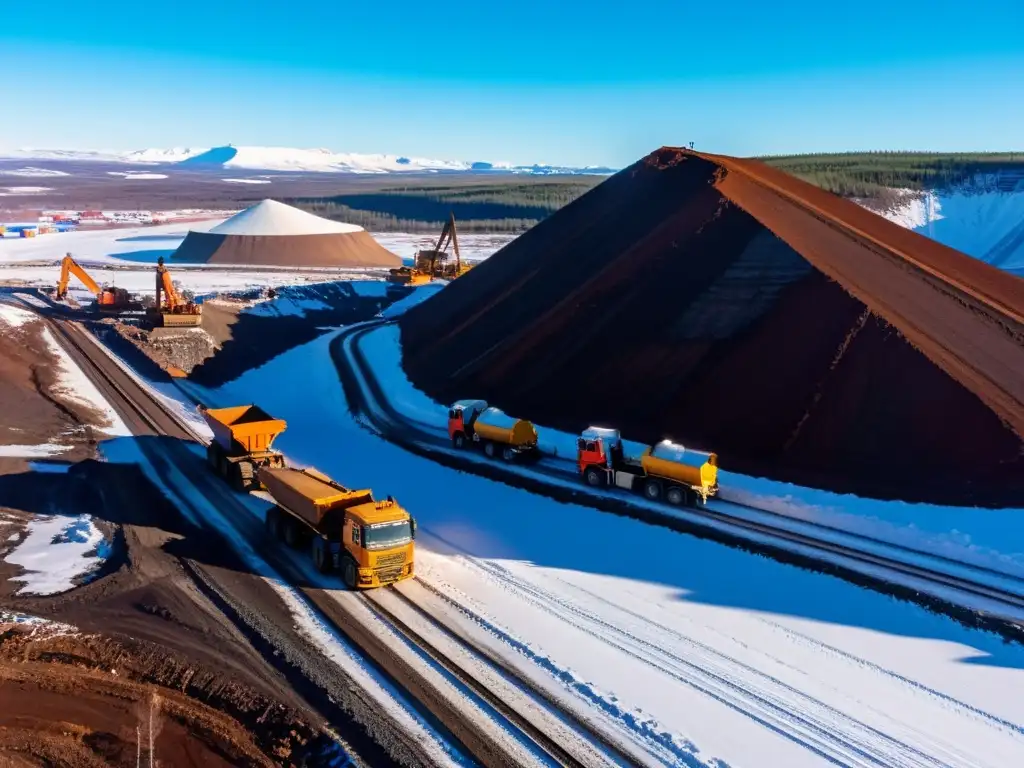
(107, 299)
(171, 309)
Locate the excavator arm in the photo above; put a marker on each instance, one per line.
(70, 267)
(171, 298)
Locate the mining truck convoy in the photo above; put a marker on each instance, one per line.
(664, 471)
(369, 542)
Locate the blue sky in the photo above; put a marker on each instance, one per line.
(568, 82)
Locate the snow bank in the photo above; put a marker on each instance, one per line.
(32, 451)
(418, 296)
(57, 552)
(247, 181)
(35, 301)
(16, 317)
(33, 173)
(980, 221)
(75, 387)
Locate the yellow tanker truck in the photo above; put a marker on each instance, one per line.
(667, 470)
(472, 423)
(369, 542)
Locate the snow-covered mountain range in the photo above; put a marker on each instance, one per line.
(285, 159)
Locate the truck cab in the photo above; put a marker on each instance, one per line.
(461, 418)
(378, 536)
(599, 457)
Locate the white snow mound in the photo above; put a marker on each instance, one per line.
(271, 218)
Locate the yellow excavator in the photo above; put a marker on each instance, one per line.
(434, 263)
(107, 299)
(171, 310)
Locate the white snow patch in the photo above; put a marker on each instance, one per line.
(74, 386)
(418, 296)
(34, 173)
(982, 222)
(35, 301)
(271, 218)
(247, 181)
(134, 176)
(16, 317)
(32, 451)
(57, 551)
(26, 190)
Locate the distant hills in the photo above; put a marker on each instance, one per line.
(292, 160)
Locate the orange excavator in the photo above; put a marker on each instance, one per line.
(107, 299)
(434, 263)
(171, 310)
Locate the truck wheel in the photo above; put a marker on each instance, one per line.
(350, 575)
(675, 496)
(593, 477)
(508, 455)
(490, 449)
(321, 557)
(273, 523)
(652, 490)
(459, 440)
(291, 533)
(237, 478)
(247, 474)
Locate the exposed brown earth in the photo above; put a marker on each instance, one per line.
(354, 249)
(727, 305)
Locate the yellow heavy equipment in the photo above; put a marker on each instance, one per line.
(474, 423)
(243, 438)
(171, 310)
(370, 542)
(667, 470)
(434, 263)
(107, 299)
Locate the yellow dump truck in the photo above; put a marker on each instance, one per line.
(474, 423)
(243, 438)
(667, 470)
(369, 542)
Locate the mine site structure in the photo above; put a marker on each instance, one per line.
(108, 299)
(666, 470)
(369, 542)
(434, 263)
(472, 423)
(171, 309)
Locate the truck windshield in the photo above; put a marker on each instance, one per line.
(385, 535)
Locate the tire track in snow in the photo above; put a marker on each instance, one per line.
(961, 707)
(831, 734)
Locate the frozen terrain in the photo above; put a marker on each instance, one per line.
(705, 652)
(288, 159)
(982, 221)
(57, 553)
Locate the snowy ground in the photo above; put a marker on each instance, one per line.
(124, 258)
(982, 222)
(704, 652)
(57, 553)
(991, 539)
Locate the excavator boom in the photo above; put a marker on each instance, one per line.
(69, 267)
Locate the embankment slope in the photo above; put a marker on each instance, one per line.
(730, 306)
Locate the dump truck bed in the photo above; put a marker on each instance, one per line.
(243, 427)
(310, 494)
